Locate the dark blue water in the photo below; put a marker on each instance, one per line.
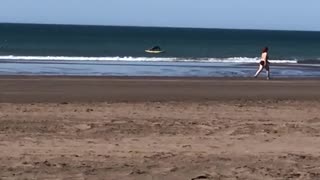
(31, 49)
(104, 41)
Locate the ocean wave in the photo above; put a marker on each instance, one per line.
(143, 59)
(248, 60)
(309, 61)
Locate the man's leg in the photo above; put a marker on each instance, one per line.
(268, 71)
(258, 71)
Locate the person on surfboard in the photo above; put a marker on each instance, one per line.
(155, 48)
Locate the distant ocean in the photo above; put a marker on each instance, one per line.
(30, 49)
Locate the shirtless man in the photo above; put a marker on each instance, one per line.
(264, 63)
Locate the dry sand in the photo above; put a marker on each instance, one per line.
(159, 128)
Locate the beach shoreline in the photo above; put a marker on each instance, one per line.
(153, 68)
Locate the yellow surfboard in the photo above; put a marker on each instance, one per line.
(153, 52)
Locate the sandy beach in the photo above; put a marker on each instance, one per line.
(159, 128)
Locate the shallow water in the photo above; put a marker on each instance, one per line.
(161, 69)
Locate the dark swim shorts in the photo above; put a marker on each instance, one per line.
(262, 63)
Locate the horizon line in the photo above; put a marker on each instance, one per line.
(142, 26)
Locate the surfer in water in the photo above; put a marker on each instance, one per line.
(264, 63)
(155, 48)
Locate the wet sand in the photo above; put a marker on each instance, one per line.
(159, 128)
(28, 89)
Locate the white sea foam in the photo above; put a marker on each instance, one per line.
(247, 60)
(142, 59)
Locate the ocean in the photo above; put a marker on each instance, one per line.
(33, 49)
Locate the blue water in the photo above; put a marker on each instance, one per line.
(165, 69)
(27, 49)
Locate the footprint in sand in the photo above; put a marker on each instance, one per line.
(201, 177)
(83, 127)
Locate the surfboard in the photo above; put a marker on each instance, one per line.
(154, 52)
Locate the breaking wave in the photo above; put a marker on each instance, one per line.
(146, 59)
